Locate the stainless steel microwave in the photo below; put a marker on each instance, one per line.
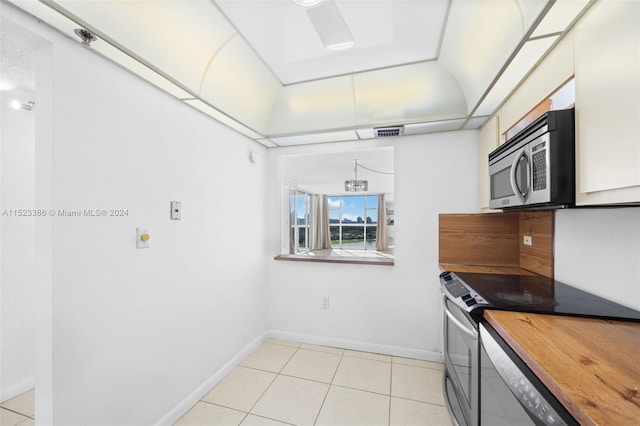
(536, 167)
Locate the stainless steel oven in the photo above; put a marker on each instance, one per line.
(461, 353)
(485, 382)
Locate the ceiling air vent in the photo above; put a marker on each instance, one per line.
(386, 132)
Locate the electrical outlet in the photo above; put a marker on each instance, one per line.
(325, 303)
(528, 241)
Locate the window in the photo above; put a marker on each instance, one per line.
(353, 221)
(320, 221)
(299, 220)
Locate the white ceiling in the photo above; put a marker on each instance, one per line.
(259, 66)
(386, 33)
(326, 173)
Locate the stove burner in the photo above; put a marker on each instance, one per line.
(521, 298)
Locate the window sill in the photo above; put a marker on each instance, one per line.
(337, 259)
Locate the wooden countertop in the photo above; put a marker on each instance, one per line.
(484, 269)
(591, 365)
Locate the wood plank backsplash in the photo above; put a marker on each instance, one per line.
(496, 239)
(538, 257)
(479, 239)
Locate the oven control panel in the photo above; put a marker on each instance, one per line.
(458, 292)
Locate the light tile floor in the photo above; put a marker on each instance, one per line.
(18, 411)
(291, 383)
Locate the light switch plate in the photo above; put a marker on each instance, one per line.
(325, 302)
(527, 240)
(176, 210)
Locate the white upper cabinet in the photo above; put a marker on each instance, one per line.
(607, 67)
(553, 72)
(603, 52)
(489, 138)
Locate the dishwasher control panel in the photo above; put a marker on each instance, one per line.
(544, 410)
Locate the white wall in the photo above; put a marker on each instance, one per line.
(17, 278)
(139, 335)
(135, 331)
(395, 309)
(598, 250)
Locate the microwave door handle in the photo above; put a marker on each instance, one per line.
(529, 174)
(514, 170)
(470, 332)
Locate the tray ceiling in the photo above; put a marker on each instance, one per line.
(260, 66)
(386, 33)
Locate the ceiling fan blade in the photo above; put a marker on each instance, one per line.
(330, 26)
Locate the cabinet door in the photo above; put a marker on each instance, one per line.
(488, 142)
(608, 103)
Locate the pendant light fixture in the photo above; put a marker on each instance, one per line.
(356, 185)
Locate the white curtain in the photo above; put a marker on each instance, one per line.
(381, 231)
(321, 238)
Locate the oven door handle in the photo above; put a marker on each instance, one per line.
(470, 332)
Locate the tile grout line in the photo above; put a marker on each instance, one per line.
(342, 354)
(420, 401)
(19, 413)
(269, 418)
(420, 366)
(361, 390)
(258, 400)
(270, 384)
(276, 374)
(290, 358)
(329, 388)
(239, 411)
(304, 378)
(223, 406)
(390, 390)
(368, 359)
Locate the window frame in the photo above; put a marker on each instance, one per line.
(288, 254)
(363, 224)
(295, 226)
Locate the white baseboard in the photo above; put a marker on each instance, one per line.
(14, 390)
(179, 410)
(358, 346)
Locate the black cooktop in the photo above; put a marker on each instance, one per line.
(540, 294)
